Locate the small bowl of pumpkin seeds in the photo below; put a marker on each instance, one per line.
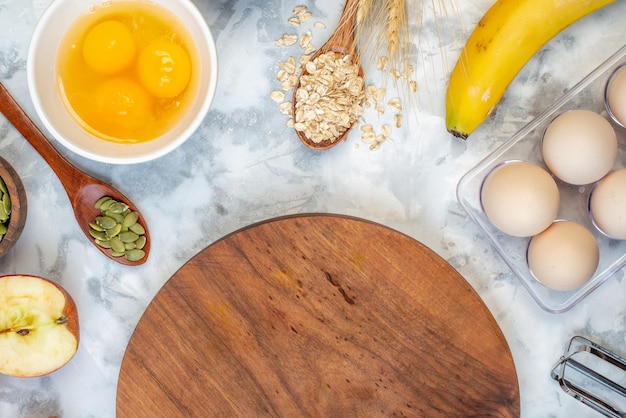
(13, 207)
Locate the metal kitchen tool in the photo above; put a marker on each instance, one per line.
(594, 376)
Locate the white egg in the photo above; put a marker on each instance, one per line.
(564, 256)
(607, 204)
(580, 146)
(520, 198)
(615, 99)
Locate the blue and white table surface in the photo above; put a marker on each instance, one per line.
(245, 165)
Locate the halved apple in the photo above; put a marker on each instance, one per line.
(38, 326)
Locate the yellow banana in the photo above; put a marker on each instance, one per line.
(506, 37)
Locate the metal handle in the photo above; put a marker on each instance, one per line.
(598, 371)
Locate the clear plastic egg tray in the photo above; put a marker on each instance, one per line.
(526, 145)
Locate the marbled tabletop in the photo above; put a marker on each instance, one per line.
(245, 165)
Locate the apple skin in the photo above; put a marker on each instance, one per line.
(51, 314)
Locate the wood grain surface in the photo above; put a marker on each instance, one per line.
(322, 316)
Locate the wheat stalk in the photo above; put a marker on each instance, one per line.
(364, 11)
(395, 23)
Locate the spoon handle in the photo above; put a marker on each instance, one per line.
(66, 172)
(82, 189)
(344, 34)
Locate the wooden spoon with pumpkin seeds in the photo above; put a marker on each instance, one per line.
(82, 189)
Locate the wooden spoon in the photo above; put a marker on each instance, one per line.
(341, 42)
(82, 189)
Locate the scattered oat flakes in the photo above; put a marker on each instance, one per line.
(382, 63)
(367, 128)
(309, 49)
(289, 83)
(298, 10)
(286, 40)
(395, 105)
(368, 137)
(305, 39)
(285, 108)
(277, 96)
(325, 106)
(282, 75)
(290, 66)
(397, 120)
(381, 93)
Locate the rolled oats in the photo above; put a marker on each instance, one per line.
(282, 75)
(328, 100)
(397, 120)
(285, 108)
(382, 63)
(395, 105)
(277, 96)
(305, 39)
(286, 39)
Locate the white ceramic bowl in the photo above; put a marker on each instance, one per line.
(46, 98)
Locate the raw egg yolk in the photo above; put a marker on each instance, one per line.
(109, 47)
(164, 69)
(121, 106)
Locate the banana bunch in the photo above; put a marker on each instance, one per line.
(506, 37)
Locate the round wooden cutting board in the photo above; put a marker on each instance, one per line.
(317, 315)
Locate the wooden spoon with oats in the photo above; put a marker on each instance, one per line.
(328, 95)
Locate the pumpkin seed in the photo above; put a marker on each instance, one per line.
(96, 227)
(137, 229)
(3, 214)
(5, 208)
(103, 244)
(100, 201)
(111, 232)
(3, 186)
(130, 219)
(119, 218)
(99, 235)
(118, 207)
(117, 245)
(135, 255)
(6, 202)
(141, 242)
(106, 222)
(117, 228)
(104, 206)
(129, 236)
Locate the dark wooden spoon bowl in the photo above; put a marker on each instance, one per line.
(342, 42)
(82, 189)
